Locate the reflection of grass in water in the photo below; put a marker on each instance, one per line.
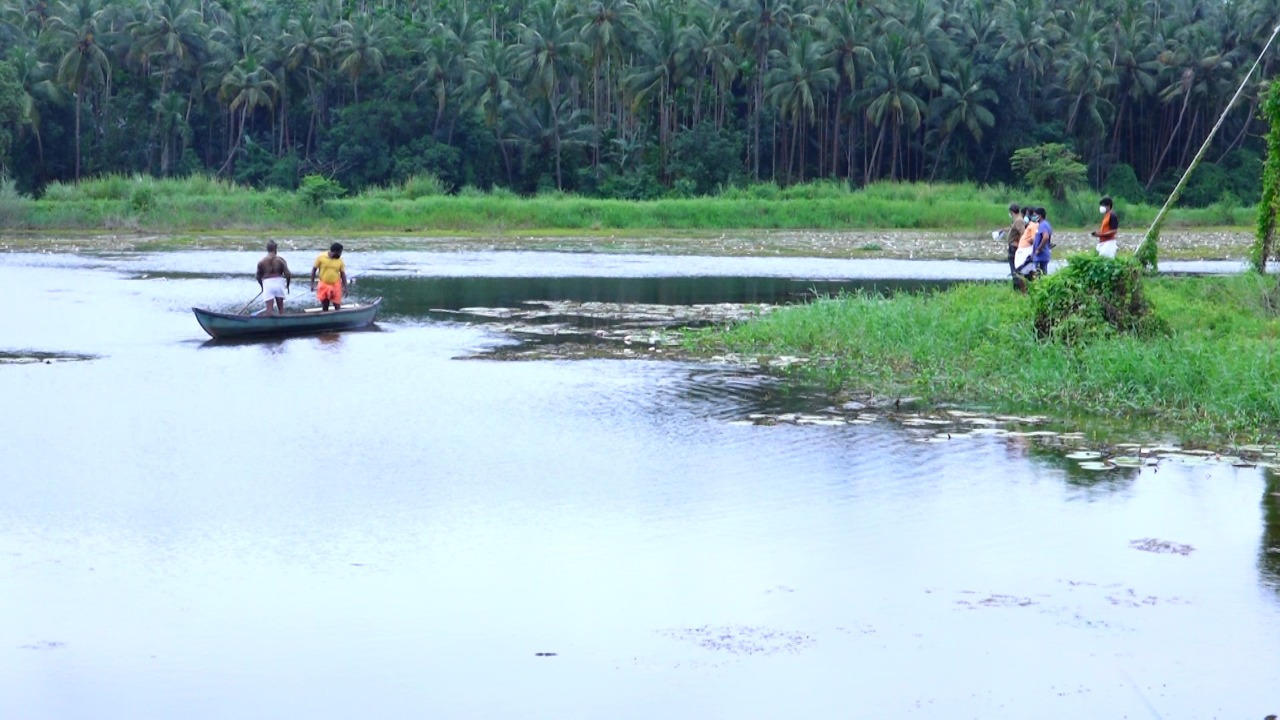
(1269, 556)
(1214, 376)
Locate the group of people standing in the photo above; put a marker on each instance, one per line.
(1030, 243)
(275, 279)
(1029, 239)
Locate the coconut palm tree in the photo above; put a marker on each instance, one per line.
(247, 87)
(847, 30)
(172, 34)
(963, 103)
(763, 26)
(894, 102)
(307, 48)
(38, 88)
(547, 55)
(489, 72)
(606, 30)
(798, 78)
(84, 64)
(359, 49)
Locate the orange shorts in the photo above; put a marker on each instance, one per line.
(331, 292)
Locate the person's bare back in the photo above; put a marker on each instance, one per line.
(273, 266)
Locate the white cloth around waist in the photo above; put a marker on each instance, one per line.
(1107, 248)
(273, 288)
(1021, 257)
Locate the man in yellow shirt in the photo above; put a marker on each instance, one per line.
(333, 277)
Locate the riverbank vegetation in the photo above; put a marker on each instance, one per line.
(421, 205)
(1209, 366)
(627, 99)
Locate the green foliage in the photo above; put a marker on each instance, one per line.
(708, 158)
(15, 208)
(142, 199)
(1092, 297)
(11, 113)
(199, 201)
(1244, 174)
(1211, 373)
(317, 189)
(1148, 253)
(1206, 186)
(1052, 167)
(418, 186)
(1122, 184)
(1269, 204)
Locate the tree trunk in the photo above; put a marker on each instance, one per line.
(1155, 168)
(79, 99)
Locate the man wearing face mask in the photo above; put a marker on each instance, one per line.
(1106, 232)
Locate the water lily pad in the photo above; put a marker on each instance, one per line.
(1126, 461)
(1095, 465)
(1084, 455)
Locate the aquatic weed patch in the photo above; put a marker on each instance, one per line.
(1213, 374)
(34, 357)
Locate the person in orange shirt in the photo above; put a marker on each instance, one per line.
(1106, 232)
(1023, 262)
(333, 277)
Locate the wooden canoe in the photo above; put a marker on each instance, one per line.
(228, 325)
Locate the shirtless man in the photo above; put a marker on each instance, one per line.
(274, 278)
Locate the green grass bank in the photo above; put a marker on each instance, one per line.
(202, 204)
(1215, 376)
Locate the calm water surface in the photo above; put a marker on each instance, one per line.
(360, 525)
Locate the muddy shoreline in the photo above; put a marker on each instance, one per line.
(1200, 244)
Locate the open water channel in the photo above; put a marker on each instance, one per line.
(393, 524)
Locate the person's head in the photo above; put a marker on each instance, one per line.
(1014, 209)
(335, 250)
(1033, 214)
(1104, 206)
(1042, 213)
(271, 247)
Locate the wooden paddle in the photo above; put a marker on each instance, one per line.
(246, 305)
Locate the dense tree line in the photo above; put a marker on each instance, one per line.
(628, 98)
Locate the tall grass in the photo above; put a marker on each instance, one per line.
(1215, 375)
(420, 204)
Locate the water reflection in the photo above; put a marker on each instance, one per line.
(456, 518)
(1082, 475)
(1269, 556)
(417, 296)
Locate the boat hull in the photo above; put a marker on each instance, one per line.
(223, 326)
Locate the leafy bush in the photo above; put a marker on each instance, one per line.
(1052, 167)
(143, 198)
(1122, 184)
(1205, 186)
(1244, 174)
(707, 158)
(317, 189)
(13, 205)
(1091, 298)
